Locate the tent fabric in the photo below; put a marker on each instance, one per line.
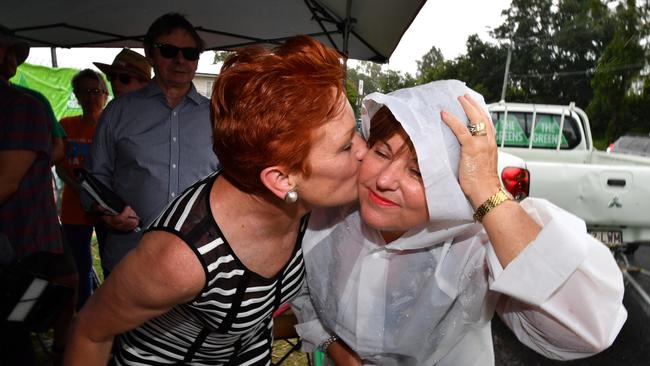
(375, 26)
(54, 84)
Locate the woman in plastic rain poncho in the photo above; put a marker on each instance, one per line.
(409, 278)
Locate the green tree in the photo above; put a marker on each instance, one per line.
(375, 79)
(391, 80)
(220, 56)
(447, 69)
(581, 31)
(476, 68)
(482, 67)
(351, 87)
(367, 72)
(555, 47)
(430, 60)
(528, 28)
(563, 51)
(613, 104)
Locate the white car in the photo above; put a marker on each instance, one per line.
(631, 144)
(610, 191)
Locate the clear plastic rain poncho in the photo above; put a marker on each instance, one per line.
(423, 299)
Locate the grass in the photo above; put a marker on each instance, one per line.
(281, 347)
(42, 350)
(94, 249)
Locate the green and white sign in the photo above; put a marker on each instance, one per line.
(546, 132)
(514, 134)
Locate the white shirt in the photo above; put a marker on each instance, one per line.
(562, 296)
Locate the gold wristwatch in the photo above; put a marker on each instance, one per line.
(496, 199)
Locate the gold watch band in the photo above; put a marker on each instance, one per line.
(495, 200)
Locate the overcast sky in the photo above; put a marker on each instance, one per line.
(445, 24)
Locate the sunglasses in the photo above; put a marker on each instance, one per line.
(123, 78)
(169, 51)
(91, 91)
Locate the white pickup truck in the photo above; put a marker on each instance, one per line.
(610, 191)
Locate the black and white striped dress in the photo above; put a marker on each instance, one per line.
(229, 322)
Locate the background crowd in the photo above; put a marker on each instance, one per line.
(147, 178)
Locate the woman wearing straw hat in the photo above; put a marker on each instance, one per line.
(128, 72)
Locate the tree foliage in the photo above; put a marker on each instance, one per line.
(618, 67)
(221, 56)
(591, 52)
(375, 79)
(555, 47)
(430, 60)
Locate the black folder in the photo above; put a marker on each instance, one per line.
(104, 196)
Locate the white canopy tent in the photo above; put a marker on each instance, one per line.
(362, 29)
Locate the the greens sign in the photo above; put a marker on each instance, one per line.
(547, 131)
(516, 132)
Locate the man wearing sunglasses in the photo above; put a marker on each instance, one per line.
(154, 142)
(128, 72)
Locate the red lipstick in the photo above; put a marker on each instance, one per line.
(374, 197)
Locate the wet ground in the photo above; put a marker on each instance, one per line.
(631, 347)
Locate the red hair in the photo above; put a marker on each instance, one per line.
(266, 105)
(383, 125)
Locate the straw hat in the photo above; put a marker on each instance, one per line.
(128, 61)
(21, 47)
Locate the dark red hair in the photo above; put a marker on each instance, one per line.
(266, 105)
(383, 125)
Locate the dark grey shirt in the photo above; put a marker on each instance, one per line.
(148, 153)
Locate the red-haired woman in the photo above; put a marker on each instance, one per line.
(204, 280)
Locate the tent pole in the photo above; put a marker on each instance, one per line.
(505, 73)
(347, 27)
(53, 54)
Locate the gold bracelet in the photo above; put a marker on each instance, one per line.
(496, 199)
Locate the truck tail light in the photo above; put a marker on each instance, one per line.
(516, 181)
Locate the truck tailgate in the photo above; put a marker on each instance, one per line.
(599, 194)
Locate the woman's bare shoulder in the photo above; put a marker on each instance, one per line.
(164, 260)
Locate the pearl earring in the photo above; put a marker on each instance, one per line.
(291, 196)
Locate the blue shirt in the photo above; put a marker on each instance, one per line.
(148, 153)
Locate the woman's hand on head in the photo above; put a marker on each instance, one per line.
(477, 172)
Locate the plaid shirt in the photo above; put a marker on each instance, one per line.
(28, 218)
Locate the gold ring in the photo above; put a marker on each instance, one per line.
(477, 129)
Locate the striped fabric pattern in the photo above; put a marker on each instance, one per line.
(229, 322)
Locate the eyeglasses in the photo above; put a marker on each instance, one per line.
(169, 51)
(91, 91)
(123, 78)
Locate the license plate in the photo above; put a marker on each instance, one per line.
(608, 237)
